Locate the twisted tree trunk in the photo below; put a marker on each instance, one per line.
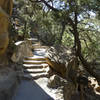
(86, 64)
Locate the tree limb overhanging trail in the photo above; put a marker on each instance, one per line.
(35, 1)
(62, 31)
(75, 33)
(46, 3)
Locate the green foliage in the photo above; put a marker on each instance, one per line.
(41, 21)
(68, 40)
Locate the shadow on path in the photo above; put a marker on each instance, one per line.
(29, 90)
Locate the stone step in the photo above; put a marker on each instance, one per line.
(39, 47)
(33, 76)
(35, 70)
(33, 39)
(36, 44)
(25, 71)
(40, 54)
(31, 67)
(40, 51)
(35, 66)
(35, 58)
(33, 62)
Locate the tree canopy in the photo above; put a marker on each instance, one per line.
(74, 23)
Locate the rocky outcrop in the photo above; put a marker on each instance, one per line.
(3, 34)
(55, 57)
(58, 67)
(8, 83)
(59, 54)
(5, 12)
(63, 62)
(3, 31)
(60, 58)
(56, 81)
(22, 50)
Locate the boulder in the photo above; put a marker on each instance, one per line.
(57, 58)
(66, 64)
(59, 54)
(55, 81)
(22, 50)
(58, 67)
(60, 58)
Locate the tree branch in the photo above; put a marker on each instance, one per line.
(35, 1)
(49, 6)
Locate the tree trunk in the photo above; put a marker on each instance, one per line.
(86, 65)
(62, 31)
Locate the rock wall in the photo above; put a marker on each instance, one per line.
(4, 23)
(8, 80)
(5, 13)
(22, 49)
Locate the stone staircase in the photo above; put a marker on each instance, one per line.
(34, 77)
(35, 67)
